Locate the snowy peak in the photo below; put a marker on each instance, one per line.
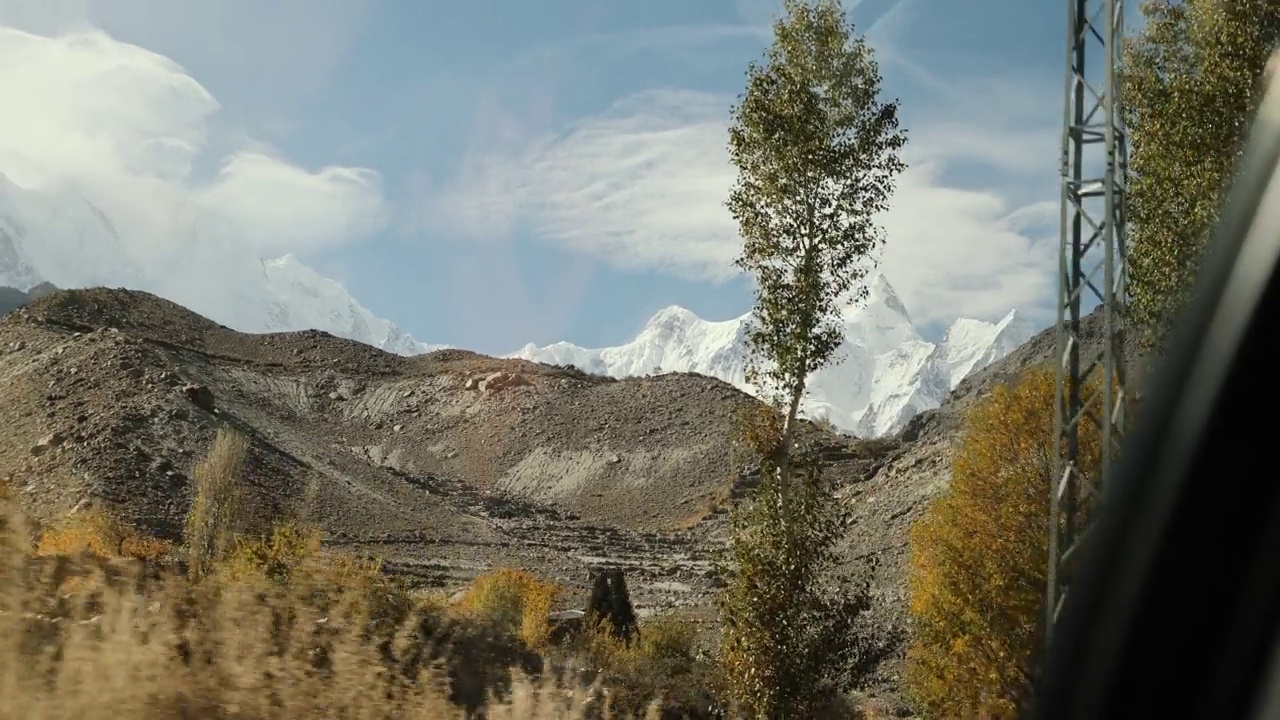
(888, 375)
(59, 235)
(881, 294)
(307, 299)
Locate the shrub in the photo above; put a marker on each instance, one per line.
(91, 531)
(95, 532)
(662, 672)
(211, 521)
(516, 601)
(276, 556)
(979, 555)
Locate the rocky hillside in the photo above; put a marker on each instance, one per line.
(445, 464)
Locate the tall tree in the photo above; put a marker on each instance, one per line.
(1191, 81)
(817, 155)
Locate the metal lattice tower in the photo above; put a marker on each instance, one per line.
(1094, 173)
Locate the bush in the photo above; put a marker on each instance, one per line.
(95, 532)
(662, 671)
(211, 521)
(979, 555)
(276, 556)
(516, 601)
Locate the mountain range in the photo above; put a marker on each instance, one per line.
(888, 372)
(886, 375)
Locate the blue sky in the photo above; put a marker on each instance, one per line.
(556, 170)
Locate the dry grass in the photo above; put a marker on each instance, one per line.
(99, 622)
(210, 529)
(327, 639)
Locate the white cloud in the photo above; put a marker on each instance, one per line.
(130, 125)
(643, 185)
(281, 207)
(269, 54)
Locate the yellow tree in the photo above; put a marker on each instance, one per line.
(979, 555)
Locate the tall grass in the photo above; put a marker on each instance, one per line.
(210, 526)
(100, 636)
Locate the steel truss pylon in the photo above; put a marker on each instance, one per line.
(1091, 384)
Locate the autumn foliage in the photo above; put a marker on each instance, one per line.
(515, 600)
(979, 556)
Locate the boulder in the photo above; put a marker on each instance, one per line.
(200, 396)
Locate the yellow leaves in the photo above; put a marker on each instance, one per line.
(516, 600)
(94, 532)
(91, 532)
(979, 554)
(759, 426)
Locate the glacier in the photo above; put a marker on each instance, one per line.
(58, 235)
(887, 372)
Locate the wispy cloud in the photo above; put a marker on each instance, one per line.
(643, 185)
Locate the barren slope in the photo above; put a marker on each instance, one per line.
(444, 464)
(438, 463)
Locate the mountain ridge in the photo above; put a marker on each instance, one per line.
(889, 371)
(889, 374)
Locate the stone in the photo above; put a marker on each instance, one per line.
(200, 396)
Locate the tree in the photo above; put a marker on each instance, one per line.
(789, 638)
(979, 555)
(1190, 88)
(609, 605)
(817, 156)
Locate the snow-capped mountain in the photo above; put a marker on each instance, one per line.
(60, 236)
(888, 374)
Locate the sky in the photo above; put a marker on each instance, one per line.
(494, 172)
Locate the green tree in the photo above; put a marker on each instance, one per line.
(817, 156)
(979, 555)
(1191, 82)
(789, 638)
